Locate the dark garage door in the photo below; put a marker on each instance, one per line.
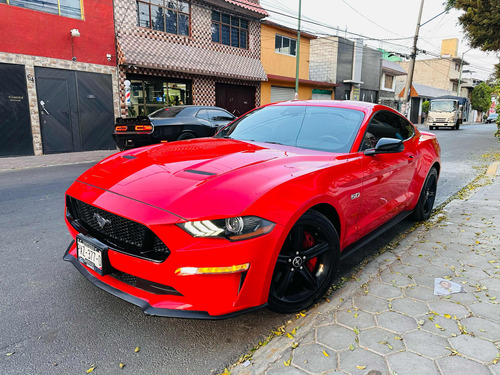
(15, 124)
(76, 110)
(237, 99)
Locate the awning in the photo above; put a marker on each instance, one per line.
(246, 7)
(303, 81)
(163, 55)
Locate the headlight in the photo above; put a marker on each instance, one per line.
(234, 228)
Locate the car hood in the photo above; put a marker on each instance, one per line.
(199, 178)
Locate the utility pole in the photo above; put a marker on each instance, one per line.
(409, 81)
(298, 55)
(460, 74)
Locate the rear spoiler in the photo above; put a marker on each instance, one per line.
(139, 120)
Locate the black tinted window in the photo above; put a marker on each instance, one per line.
(385, 124)
(219, 115)
(316, 128)
(166, 112)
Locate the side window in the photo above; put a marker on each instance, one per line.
(408, 129)
(218, 115)
(202, 113)
(385, 124)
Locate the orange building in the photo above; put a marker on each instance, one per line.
(278, 57)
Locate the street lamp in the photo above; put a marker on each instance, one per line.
(75, 33)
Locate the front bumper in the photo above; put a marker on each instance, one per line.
(213, 296)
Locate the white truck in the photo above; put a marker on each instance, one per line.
(446, 112)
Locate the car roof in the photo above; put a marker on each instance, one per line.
(351, 104)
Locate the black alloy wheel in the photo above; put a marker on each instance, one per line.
(306, 264)
(427, 197)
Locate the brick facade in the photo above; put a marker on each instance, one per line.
(196, 58)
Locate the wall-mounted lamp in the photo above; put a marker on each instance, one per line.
(108, 56)
(74, 34)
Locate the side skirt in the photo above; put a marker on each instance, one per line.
(348, 250)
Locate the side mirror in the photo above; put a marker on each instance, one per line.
(386, 146)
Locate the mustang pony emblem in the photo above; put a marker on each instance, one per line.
(100, 220)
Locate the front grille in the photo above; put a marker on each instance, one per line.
(115, 231)
(148, 286)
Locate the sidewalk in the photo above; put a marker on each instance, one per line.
(387, 320)
(25, 162)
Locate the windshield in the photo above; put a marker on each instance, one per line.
(316, 128)
(443, 105)
(166, 112)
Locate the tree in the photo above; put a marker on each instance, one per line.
(481, 22)
(481, 97)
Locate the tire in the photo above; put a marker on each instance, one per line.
(306, 264)
(423, 209)
(431, 127)
(457, 126)
(185, 136)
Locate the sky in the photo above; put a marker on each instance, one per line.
(392, 22)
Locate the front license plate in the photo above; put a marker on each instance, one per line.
(92, 253)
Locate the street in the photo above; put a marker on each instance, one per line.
(56, 322)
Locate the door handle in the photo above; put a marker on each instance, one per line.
(42, 104)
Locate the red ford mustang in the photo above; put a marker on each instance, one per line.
(257, 215)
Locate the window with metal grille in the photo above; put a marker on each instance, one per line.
(229, 30)
(171, 16)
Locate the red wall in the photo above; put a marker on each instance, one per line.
(29, 32)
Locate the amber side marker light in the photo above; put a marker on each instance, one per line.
(186, 271)
(142, 128)
(121, 128)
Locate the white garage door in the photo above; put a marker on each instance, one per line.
(279, 94)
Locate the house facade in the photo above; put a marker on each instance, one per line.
(388, 94)
(355, 68)
(188, 52)
(59, 79)
(279, 50)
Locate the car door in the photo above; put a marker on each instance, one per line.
(386, 176)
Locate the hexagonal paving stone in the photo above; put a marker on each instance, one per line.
(415, 260)
(396, 322)
(464, 298)
(349, 360)
(355, 318)
(427, 344)
(474, 273)
(380, 341)
(492, 284)
(406, 363)
(475, 348)
(371, 304)
(482, 327)
(335, 337)
(443, 307)
(403, 269)
(486, 310)
(311, 358)
(448, 328)
(280, 369)
(457, 365)
(438, 270)
(395, 279)
(420, 293)
(409, 307)
(424, 280)
(384, 291)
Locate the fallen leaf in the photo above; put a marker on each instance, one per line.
(287, 363)
(92, 368)
(356, 330)
(325, 353)
(137, 350)
(351, 347)
(356, 315)
(360, 367)
(9, 354)
(447, 316)
(439, 327)
(122, 365)
(289, 336)
(294, 345)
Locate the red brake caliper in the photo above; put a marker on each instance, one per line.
(309, 242)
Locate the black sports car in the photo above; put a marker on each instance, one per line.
(170, 124)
